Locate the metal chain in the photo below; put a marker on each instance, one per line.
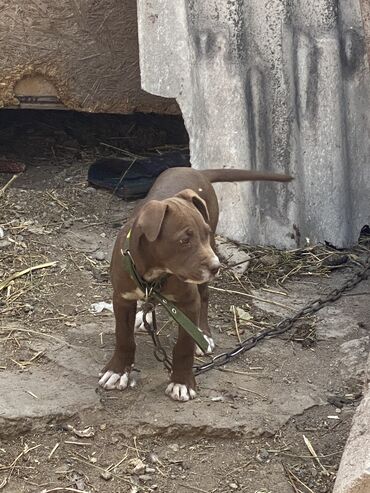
(159, 351)
(283, 326)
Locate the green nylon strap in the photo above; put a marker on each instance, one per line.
(151, 290)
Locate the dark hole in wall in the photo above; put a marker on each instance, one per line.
(50, 140)
(364, 238)
(51, 137)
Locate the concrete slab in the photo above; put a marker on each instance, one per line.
(31, 397)
(354, 470)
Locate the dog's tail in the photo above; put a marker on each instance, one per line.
(231, 174)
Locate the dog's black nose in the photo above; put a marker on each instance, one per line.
(214, 266)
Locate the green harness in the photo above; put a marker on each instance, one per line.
(152, 291)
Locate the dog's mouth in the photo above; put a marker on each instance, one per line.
(201, 279)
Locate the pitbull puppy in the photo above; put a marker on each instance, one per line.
(172, 235)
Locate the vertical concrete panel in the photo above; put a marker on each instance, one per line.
(280, 85)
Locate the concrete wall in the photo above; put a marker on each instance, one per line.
(281, 85)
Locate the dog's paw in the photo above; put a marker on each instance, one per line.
(139, 320)
(180, 392)
(211, 346)
(120, 381)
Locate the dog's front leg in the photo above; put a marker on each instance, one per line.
(203, 320)
(117, 373)
(182, 386)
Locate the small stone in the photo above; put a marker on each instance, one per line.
(139, 468)
(106, 475)
(154, 487)
(153, 458)
(68, 223)
(149, 470)
(263, 455)
(138, 465)
(90, 190)
(99, 255)
(145, 478)
(174, 447)
(103, 426)
(4, 243)
(269, 260)
(233, 486)
(93, 460)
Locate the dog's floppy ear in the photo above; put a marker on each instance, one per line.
(194, 198)
(151, 218)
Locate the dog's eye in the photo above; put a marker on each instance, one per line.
(185, 241)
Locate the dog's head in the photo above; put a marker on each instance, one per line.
(176, 234)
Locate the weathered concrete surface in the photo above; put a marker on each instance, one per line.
(354, 470)
(346, 322)
(252, 403)
(42, 394)
(274, 85)
(81, 54)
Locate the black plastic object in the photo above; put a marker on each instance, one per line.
(133, 180)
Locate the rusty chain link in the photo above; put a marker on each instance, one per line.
(250, 342)
(159, 351)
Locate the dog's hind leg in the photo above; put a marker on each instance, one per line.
(139, 319)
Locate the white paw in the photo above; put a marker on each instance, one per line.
(139, 322)
(110, 380)
(211, 346)
(180, 392)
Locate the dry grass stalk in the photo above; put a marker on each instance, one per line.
(194, 488)
(55, 199)
(64, 488)
(293, 478)
(252, 392)
(257, 298)
(53, 450)
(7, 281)
(314, 455)
(31, 394)
(7, 185)
(236, 323)
(114, 466)
(238, 372)
(80, 444)
(16, 329)
(101, 469)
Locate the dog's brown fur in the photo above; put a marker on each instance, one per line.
(172, 231)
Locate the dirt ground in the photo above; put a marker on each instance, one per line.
(253, 422)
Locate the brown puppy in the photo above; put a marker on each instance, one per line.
(172, 232)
